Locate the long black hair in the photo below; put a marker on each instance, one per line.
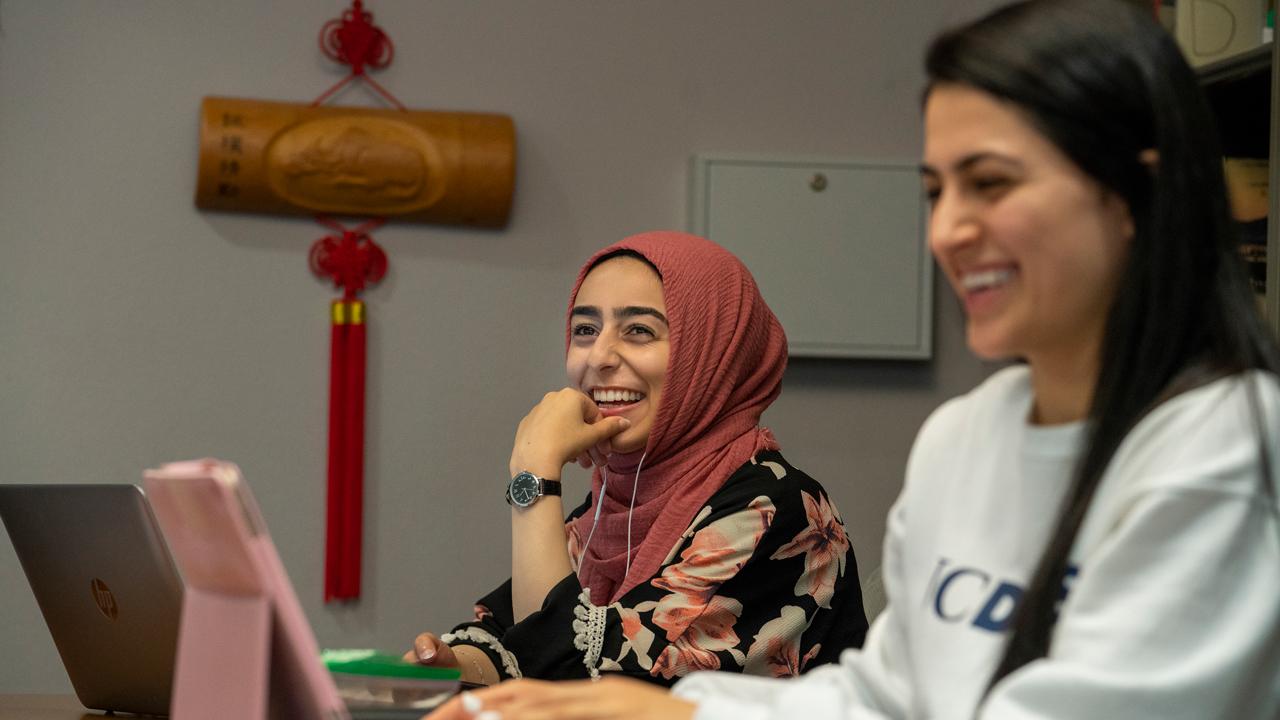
(1103, 82)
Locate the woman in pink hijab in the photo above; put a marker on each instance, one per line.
(699, 546)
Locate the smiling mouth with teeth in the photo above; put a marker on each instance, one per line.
(986, 279)
(614, 398)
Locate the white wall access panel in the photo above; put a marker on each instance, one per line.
(837, 247)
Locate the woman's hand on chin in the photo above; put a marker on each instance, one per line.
(566, 426)
(613, 698)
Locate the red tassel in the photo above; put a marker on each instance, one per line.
(352, 260)
(345, 513)
(335, 537)
(353, 500)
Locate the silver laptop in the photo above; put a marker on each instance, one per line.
(110, 592)
(107, 587)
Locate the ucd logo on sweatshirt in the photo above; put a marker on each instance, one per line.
(966, 595)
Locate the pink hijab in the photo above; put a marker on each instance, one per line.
(728, 353)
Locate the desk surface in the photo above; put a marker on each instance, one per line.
(44, 707)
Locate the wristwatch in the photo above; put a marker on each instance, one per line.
(525, 489)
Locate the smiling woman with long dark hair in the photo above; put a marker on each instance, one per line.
(1093, 532)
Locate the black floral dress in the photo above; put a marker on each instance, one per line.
(762, 582)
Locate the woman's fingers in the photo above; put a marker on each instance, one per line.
(451, 710)
(424, 647)
(610, 699)
(430, 650)
(501, 695)
(605, 428)
(559, 429)
(597, 455)
(597, 458)
(445, 657)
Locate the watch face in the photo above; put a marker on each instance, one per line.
(524, 489)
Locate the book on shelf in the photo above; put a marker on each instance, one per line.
(1247, 188)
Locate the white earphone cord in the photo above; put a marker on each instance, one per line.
(634, 486)
(604, 485)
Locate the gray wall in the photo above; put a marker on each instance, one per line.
(136, 330)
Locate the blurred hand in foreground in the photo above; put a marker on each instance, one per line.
(613, 698)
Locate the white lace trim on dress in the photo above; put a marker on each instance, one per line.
(483, 637)
(588, 628)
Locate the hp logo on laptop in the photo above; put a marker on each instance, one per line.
(104, 599)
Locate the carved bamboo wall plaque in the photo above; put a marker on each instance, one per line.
(272, 157)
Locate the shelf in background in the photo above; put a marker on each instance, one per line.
(1237, 66)
(1239, 90)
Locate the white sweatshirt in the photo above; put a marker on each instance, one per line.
(1173, 602)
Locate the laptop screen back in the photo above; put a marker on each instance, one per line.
(107, 587)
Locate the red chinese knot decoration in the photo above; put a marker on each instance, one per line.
(353, 261)
(354, 40)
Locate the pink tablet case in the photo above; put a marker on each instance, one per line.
(245, 649)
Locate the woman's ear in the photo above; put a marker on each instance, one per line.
(1119, 208)
(1150, 159)
(1120, 214)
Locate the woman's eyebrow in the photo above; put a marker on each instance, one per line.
(989, 156)
(621, 313)
(634, 310)
(967, 162)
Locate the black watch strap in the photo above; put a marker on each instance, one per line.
(525, 489)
